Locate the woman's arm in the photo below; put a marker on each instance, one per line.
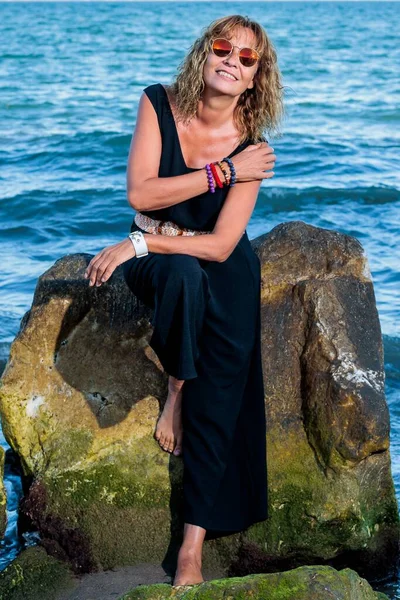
(206, 246)
(145, 190)
(218, 245)
(235, 215)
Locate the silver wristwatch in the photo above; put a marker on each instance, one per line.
(139, 243)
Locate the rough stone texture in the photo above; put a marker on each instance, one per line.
(304, 583)
(331, 489)
(34, 575)
(3, 495)
(82, 389)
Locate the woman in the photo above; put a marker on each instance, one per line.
(196, 163)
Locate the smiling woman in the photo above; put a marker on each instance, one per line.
(196, 162)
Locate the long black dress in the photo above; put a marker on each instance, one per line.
(207, 330)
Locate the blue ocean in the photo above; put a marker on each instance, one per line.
(71, 75)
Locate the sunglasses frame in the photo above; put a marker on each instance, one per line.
(232, 47)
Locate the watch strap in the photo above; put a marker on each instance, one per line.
(139, 243)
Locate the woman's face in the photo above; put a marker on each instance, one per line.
(243, 37)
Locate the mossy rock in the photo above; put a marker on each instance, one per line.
(82, 390)
(107, 513)
(34, 575)
(304, 583)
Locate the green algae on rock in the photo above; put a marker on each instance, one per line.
(34, 575)
(315, 582)
(113, 511)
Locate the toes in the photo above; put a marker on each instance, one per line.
(157, 433)
(163, 441)
(178, 448)
(168, 443)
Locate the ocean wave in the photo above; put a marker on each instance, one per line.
(284, 198)
(391, 346)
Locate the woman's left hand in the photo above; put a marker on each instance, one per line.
(102, 266)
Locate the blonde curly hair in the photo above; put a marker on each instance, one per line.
(259, 109)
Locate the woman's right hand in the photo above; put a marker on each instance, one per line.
(253, 162)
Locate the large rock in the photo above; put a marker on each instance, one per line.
(331, 491)
(304, 583)
(82, 389)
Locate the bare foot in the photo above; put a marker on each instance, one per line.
(188, 571)
(169, 430)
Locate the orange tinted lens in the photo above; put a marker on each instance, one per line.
(248, 57)
(221, 47)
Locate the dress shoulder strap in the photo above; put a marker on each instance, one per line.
(154, 93)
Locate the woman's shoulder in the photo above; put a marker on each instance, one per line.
(158, 93)
(250, 140)
(255, 139)
(153, 89)
(156, 88)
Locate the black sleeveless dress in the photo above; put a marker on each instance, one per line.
(207, 330)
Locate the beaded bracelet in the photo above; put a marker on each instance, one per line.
(211, 185)
(225, 172)
(233, 172)
(216, 177)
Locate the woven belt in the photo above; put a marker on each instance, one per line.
(159, 227)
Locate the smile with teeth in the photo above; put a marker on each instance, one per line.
(226, 75)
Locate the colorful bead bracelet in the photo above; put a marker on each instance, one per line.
(215, 173)
(232, 169)
(213, 177)
(225, 172)
(211, 185)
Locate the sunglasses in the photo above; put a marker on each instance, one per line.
(224, 48)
